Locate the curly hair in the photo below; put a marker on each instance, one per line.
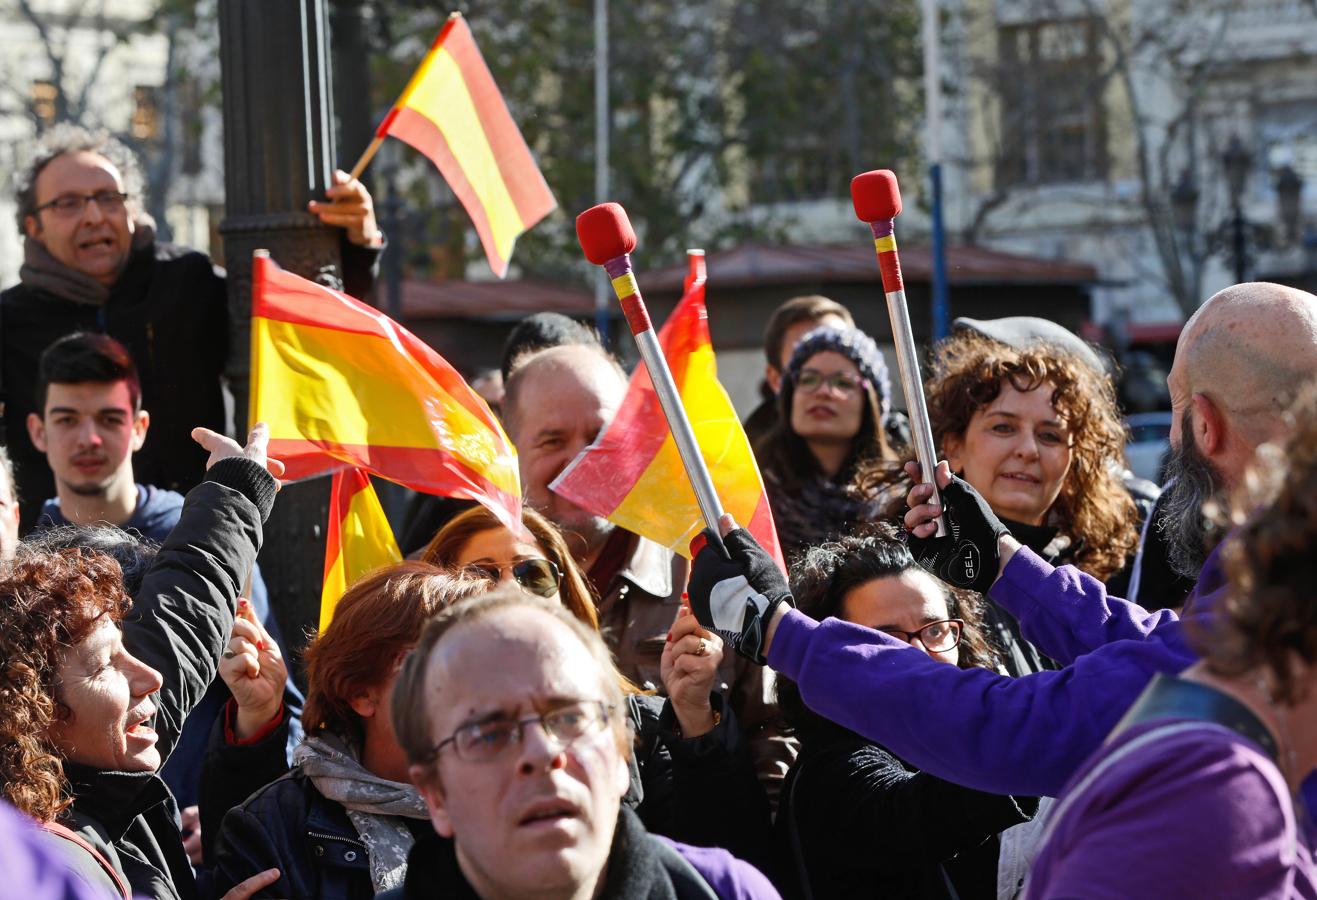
(826, 573)
(378, 619)
(1269, 617)
(1093, 508)
(69, 138)
(49, 602)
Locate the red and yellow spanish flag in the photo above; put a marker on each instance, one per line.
(632, 473)
(360, 539)
(452, 112)
(342, 385)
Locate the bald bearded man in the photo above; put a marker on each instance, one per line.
(1239, 363)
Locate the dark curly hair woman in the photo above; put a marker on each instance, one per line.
(1036, 432)
(92, 698)
(856, 820)
(1199, 790)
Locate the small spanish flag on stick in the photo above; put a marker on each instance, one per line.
(342, 386)
(632, 474)
(453, 113)
(359, 539)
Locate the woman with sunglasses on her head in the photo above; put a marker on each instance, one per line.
(688, 746)
(855, 820)
(835, 395)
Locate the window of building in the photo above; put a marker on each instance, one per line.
(1052, 122)
(144, 124)
(45, 101)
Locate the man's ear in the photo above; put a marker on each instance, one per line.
(36, 430)
(32, 227)
(1209, 426)
(774, 378)
(426, 779)
(140, 426)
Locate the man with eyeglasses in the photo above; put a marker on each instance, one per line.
(510, 717)
(91, 263)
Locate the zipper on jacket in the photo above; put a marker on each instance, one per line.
(335, 837)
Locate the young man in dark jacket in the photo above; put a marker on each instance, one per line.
(91, 263)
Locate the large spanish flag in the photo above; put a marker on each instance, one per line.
(452, 112)
(359, 538)
(341, 385)
(632, 474)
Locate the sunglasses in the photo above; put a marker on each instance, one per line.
(539, 576)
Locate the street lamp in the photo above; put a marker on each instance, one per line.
(1289, 191)
(1184, 203)
(1237, 161)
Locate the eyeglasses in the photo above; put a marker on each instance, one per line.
(485, 741)
(539, 576)
(811, 380)
(70, 205)
(937, 637)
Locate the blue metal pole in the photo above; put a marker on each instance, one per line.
(941, 303)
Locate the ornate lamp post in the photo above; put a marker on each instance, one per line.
(1237, 161)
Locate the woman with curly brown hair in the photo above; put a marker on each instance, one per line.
(855, 819)
(1194, 793)
(1035, 431)
(94, 698)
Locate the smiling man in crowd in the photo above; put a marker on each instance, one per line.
(91, 263)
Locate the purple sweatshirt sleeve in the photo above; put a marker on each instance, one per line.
(1004, 735)
(31, 869)
(1065, 612)
(730, 878)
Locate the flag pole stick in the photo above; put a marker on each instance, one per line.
(366, 157)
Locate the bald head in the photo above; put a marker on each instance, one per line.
(556, 403)
(1248, 349)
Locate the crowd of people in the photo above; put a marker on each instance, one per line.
(574, 711)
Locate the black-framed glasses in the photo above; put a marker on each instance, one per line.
(479, 742)
(937, 637)
(70, 205)
(539, 576)
(812, 380)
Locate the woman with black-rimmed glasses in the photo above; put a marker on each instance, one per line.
(855, 820)
(834, 400)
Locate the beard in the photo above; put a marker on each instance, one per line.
(1191, 486)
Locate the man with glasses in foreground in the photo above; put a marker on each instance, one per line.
(91, 263)
(511, 722)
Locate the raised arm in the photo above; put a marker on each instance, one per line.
(184, 610)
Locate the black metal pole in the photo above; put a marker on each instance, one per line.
(278, 155)
(1240, 241)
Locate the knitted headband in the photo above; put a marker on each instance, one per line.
(853, 344)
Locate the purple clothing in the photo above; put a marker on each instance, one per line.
(1023, 736)
(1199, 813)
(730, 878)
(32, 869)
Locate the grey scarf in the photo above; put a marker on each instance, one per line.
(375, 805)
(44, 272)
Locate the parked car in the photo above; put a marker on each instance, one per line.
(1150, 439)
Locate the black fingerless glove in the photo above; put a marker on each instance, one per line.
(968, 556)
(737, 597)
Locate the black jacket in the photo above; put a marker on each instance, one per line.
(179, 624)
(672, 783)
(170, 309)
(290, 825)
(639, 868)
(870, 826)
